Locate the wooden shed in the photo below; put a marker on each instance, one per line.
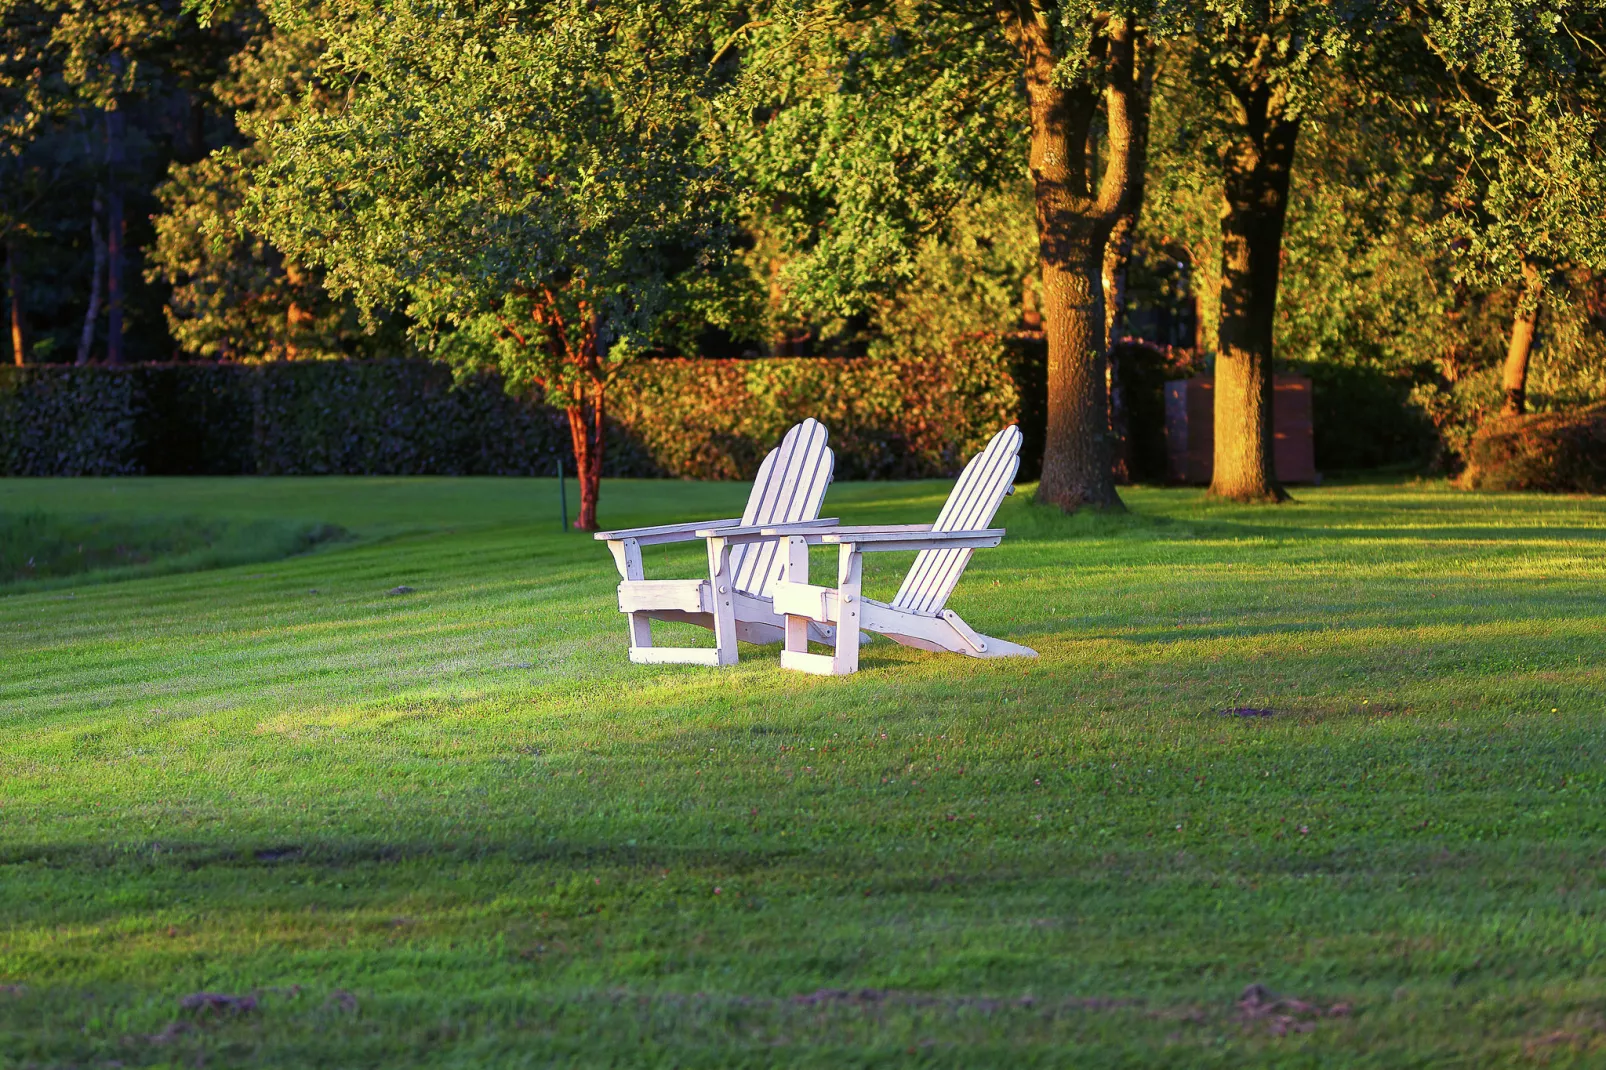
(1190, 418)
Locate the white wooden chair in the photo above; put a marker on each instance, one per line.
(918, 616)
(734, 600)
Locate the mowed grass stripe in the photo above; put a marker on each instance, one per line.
(456, 827)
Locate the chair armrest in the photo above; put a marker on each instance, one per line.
(767, 532)
(661, 533)
(871, 539)
(854, 529)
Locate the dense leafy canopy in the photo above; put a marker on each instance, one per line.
(492, 164)
(520, 183)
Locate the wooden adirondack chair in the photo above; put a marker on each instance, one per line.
(734, 600)
(918, 616)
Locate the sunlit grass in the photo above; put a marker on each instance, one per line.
(454, 826)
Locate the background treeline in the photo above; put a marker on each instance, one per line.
(1403, 200)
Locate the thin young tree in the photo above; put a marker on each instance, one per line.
(530, 177)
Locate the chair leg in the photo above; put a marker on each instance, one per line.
(797, 571)
(719, 572)
(640, 631)
(849, 585)
(795, 653)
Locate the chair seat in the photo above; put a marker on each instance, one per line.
(686, 596)
(821, 603)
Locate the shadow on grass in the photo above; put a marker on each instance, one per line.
(1316, 522)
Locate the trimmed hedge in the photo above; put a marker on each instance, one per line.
(889, 418)
(380, 418)
(695, 419)
(1551, 451)
(67, 424)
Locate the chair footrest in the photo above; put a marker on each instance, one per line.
(805, 600)
(687, 596)
(818, 664)
(674, 655)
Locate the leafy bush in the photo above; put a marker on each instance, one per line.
(1553, 451)
(1364, 417)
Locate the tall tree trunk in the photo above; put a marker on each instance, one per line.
(1117, 258)
(1073, 223)
(19, 332)
(86, 336)
(116, 258)
(1523, 322)
(1255, 172)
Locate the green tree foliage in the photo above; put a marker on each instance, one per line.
(31, 95)
(874, 127)
(1524, 109)
(886, 117)
(235, 296)
(531, 176)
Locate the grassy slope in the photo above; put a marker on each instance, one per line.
(40, 551)
(464, 809)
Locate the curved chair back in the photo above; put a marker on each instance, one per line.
(790, 486)
(971, 505)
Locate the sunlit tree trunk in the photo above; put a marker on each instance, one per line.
(298, 320)
(1073, 223)
(585, 415)
(1518, 349)
(576, 346)
(19, 333)
(1255, 169)
(1117, 259)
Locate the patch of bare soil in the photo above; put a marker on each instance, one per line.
(217, 1002)
(1282, 1015)
(868, 997)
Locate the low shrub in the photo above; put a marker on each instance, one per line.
(1552, 451)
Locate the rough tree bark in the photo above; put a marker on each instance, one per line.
(1255, 170)
(86, 336)
(19, 333)
(1117, 258)
(1515, 372)
(1073, 223)
(116, 259)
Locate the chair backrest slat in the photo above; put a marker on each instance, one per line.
(971, 505)
(790, 486)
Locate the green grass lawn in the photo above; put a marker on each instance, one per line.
(455, 827)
